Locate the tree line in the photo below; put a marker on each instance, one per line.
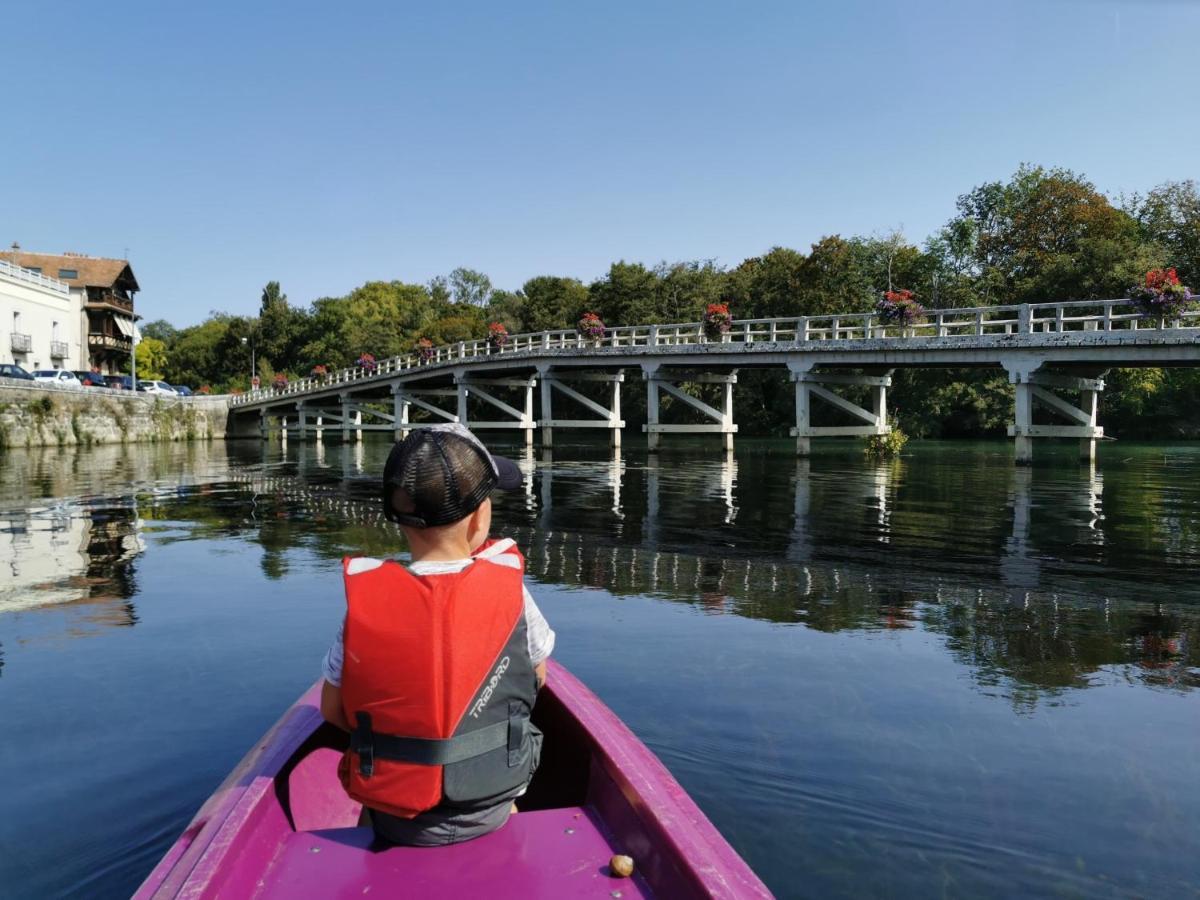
(1041, 235)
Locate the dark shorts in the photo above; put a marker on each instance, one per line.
(446, 825)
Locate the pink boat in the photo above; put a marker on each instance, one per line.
(281, 825)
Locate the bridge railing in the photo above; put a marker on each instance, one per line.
(964, 322)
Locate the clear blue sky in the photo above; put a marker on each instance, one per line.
(323, 145)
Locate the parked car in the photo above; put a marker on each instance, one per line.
(119, 382)
(60, 377)
(182, 390)
(91, 379)
(156, 387)
(11, 370)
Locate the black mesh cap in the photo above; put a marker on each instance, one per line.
(446, 473)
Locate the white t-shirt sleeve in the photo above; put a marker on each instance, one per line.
(331, 668)
(537, 630)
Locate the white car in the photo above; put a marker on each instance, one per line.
(156, 387)
(60, 377)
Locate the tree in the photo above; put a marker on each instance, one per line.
(685, 288)
(1047, 235)
(470, 287)
(160, 329)
(281, 328)
(151, 356)
(553, 302)
(626, 295)
(1169, 216)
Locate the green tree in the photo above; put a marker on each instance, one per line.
(684, 289)
(470, 287)
(1169, 216)
(1048, 235)
(160, 329)
(626, 295)
(553, 302)
(151, 359)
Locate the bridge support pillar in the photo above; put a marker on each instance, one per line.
(346, 410)
(301, 421)
(485, 389)
(609, 417)
(812, 383)
(401, 406)
(668, 382)
(264, 424)
(1032, 390)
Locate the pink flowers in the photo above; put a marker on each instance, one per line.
(367, 363)
(591, 327)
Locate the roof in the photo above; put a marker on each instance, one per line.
(93, 271)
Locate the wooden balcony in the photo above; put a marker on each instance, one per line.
(21, 343)
(108, 300)
(99, 341)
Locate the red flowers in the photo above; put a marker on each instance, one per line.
(899, 308)
(497, 335)
(1159, 279)
(717, 320)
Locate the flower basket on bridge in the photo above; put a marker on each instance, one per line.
(1161, 295)
(497, 335)
(717, 321)
(899, 308)
(367, 363)
(591, 328)
(205, 389)
(425, 351)
(318, 372)
(279, 382)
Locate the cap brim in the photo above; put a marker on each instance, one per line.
(509, 474)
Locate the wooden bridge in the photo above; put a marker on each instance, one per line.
(1055, 354)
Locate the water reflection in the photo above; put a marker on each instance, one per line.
(1037, 580)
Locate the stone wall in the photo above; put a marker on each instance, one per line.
(34, 416)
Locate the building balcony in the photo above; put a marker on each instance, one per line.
(97, 341)
(109, 301)
(21, 343)
(59, 350)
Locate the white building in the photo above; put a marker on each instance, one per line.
(102, 291)
(40, 321)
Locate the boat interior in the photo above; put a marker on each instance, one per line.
(570, 822)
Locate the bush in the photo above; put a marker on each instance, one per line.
(886, 446)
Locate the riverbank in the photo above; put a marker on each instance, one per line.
(37, 416)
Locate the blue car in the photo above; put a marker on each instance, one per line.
(10, 370)
(182, 390)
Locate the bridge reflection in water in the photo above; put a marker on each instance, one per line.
(1023, 580)
(1036, 579)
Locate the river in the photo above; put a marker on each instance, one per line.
(938, 676)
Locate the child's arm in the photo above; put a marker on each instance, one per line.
(540, 671)
(331, 704)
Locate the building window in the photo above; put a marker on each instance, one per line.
(35, 269)
(68, 273)
(54, 332)
(16, 321)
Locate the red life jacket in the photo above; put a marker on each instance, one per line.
(438, 685)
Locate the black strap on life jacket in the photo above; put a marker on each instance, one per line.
(369, 744)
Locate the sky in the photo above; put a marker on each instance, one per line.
(223, 145)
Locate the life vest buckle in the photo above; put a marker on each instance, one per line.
(362, 741)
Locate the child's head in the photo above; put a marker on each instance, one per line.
(436, 485)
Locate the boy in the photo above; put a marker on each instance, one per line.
(437, 665)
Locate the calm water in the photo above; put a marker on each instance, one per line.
(939, 676)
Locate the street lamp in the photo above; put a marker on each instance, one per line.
(253, 369)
